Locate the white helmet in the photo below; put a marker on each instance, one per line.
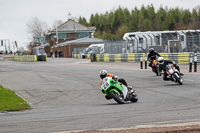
(151, 49)
(161, 60)
(103, 74)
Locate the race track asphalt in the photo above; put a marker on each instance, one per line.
(65, 95)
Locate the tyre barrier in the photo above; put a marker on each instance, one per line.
(87, 56)
(180, 58)
(30, 58)
(42, 58)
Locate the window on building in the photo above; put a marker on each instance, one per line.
(39, 39)
(61, 35)
(82, 34)
(67, 36)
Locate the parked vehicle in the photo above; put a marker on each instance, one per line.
(93, 49)
(174, 74)
(116, 90)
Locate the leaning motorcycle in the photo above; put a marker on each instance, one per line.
(174, 74)
(116, 90)
(155, 67)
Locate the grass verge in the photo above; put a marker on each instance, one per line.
(9, 101)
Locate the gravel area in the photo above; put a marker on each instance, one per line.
(169, 128)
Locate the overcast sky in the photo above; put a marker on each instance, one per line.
(15, 14)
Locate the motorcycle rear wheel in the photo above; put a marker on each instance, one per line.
(118, 98)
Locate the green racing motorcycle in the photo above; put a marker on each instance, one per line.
(116, 90)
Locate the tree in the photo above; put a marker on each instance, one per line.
(36, 27)
(56, 23)
(160, 18)
(122, 30)
(133, 24)
(83, 21)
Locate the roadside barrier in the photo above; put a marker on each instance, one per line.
(25, 58)
(1, 57)
(195, 59)
(145, 61)
(42, 58)
(195, 62)
(6, 57)
(190, 65)
(141, 62)
(180, 58)
(30, 58)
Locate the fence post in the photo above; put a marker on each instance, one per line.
(145, 61)
(190, 66)
(195, 62)
(141, 62)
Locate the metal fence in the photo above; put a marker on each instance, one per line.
(163, 42)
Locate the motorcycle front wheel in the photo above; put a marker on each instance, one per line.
(117, 97)
(157, 71)
(179, 80)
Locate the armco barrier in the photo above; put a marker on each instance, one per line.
(180, 58)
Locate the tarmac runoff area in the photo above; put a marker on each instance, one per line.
(192, 127)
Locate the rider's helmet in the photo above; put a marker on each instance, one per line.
(161, 60)
(103, 74)
(151, 49)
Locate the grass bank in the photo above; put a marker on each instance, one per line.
(9, 101)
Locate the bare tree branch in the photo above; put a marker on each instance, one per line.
(36, 27)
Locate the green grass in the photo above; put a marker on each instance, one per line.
(9, 101)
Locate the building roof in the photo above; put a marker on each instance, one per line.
(73, 26)
(85, 40)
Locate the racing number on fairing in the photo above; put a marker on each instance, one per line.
(105, 85)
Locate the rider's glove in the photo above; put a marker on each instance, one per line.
(115, 78)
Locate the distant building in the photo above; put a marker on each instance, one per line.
(68, 47)
(68, 31)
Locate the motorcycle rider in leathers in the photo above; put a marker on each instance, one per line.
(152, 56)
(162, 66)
(104, 73)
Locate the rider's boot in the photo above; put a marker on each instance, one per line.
(181, 74)
(130, 89)
(107, 97)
